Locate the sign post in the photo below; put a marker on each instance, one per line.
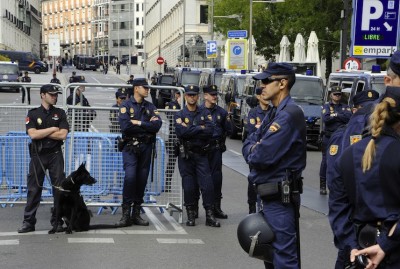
(375, 28)
(54, 49)
(352, 64)
(237, 53)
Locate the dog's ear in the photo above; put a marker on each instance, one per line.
(82, 166)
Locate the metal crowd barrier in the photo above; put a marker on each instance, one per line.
(96, 146)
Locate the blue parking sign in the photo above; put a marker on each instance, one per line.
(375, 28)
(211, 49)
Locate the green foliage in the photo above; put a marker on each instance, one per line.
(4, 58)
(272, 21)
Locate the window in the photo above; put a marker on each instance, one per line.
(137, 34)
(137, 21)
(203, 14)
(137, 7)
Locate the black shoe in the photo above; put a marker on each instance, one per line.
(59, 229)
(210, 218)
(218, 213)
(26, 228)
(190, 216)
(323, 192)
(136, 218)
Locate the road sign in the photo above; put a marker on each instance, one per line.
(236, 53)
(54, 45)
(160, 60)
(211, 49)
(375, 28)
(352, 64)
(237, 34)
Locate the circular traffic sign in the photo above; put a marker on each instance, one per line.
(160, 60)
(352, 64)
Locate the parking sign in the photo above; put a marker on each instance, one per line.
(211, 49)
(375, 28)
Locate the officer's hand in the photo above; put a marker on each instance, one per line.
(183, 124)
(375, 255)
(257, 126)
(136, 122)
(154, 118)
(55, 129)
(333, 115)
(202, 126)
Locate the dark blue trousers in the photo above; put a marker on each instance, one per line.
(322, 170)
(137, 168)
(195, 173)
(215, 160)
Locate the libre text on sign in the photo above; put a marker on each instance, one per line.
(375, 28)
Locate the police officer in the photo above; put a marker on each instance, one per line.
(339, 141)
(153, 91)
(334, 115)
(194, 129)
(26, 78)
(120, 96)
(366, 183)
(222, 128)
(140, 123)
(83, 117)
(130, 80)
(277, 154)
(47, 126)
(172, 105)
(255, 117)
(71, 78)
(55, 79)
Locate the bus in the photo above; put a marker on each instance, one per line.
(27, 61)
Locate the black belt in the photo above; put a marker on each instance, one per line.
(49, 150)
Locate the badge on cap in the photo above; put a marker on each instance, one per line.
(123, 110)
(354, 139)
(274, 127)
(333, 150)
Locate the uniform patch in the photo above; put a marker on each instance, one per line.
(369, 94)
(179, 120)
(258, 120)
(348, 109)
(219, 117)
(123, 110)
(355, 139)
(209, 117)
(55, 117)
(252, 121)
(156, 112)
(202, 118)
(274, 127)
(186, 120)
(333, 150)
(39, 121)
(323, 111)
(27, 120)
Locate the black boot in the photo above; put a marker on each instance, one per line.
(126, 216)
(190, 210)
(218, 213)
(322, 186)
(196, 210)
(210, 218)
(136, 219)
(252, 208)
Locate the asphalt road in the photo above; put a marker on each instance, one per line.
(165, 243)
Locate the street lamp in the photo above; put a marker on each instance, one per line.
(250, 63)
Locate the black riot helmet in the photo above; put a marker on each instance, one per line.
(255, 237)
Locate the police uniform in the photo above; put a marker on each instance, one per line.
(222, 129)
(71, 78)
(114, 126)
(46, 154)
(276, 153)
(83, 117)
(130, 81)
(255, 117)
(26, 78)
(172, 105)
(55, 80)
(193, 161)
(137, 152)
(333, 116)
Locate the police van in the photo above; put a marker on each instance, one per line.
(27, 61)
(356, 81)
(212, 76)
(184, 76)
(88, 62)
(9, 72)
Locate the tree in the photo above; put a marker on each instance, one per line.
(272, 21)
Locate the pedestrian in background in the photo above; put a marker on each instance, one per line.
(140, 122)
(48, 127)
(194, 129)
(334, 115)
(118, 68)
(254, 119)
(120, 96)
(55, 79)
(277, 154)
(27, 79)
(153, 91)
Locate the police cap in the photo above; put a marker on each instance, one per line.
(275, 69)
(78, 79)
(336, 89)
(192, 89)
(212, 89)
(395, 62)
(51, 89)
(140, 82)
(121, 93)
(258, 91)
(365, 97)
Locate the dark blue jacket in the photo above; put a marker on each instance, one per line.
(222, 123)
(334, 116)
(256, 116)
(282, 145)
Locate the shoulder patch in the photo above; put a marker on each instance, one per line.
(252, 121)
(333, 150)
(354, 139)
(123, 110)
(27, 120)
(323, 111)
(274, 127)
(178, 120)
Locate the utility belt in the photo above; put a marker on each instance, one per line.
(283, 190)
(218, 144)
(37, 149)
(184, 149)
(367, 233)
(135, 142)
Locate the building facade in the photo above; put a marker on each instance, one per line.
(71, 21)
(176, 30)
(20, 25)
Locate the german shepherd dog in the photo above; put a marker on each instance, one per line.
(69, 203)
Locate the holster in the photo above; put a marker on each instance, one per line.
(120, 143)
(367, 235)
